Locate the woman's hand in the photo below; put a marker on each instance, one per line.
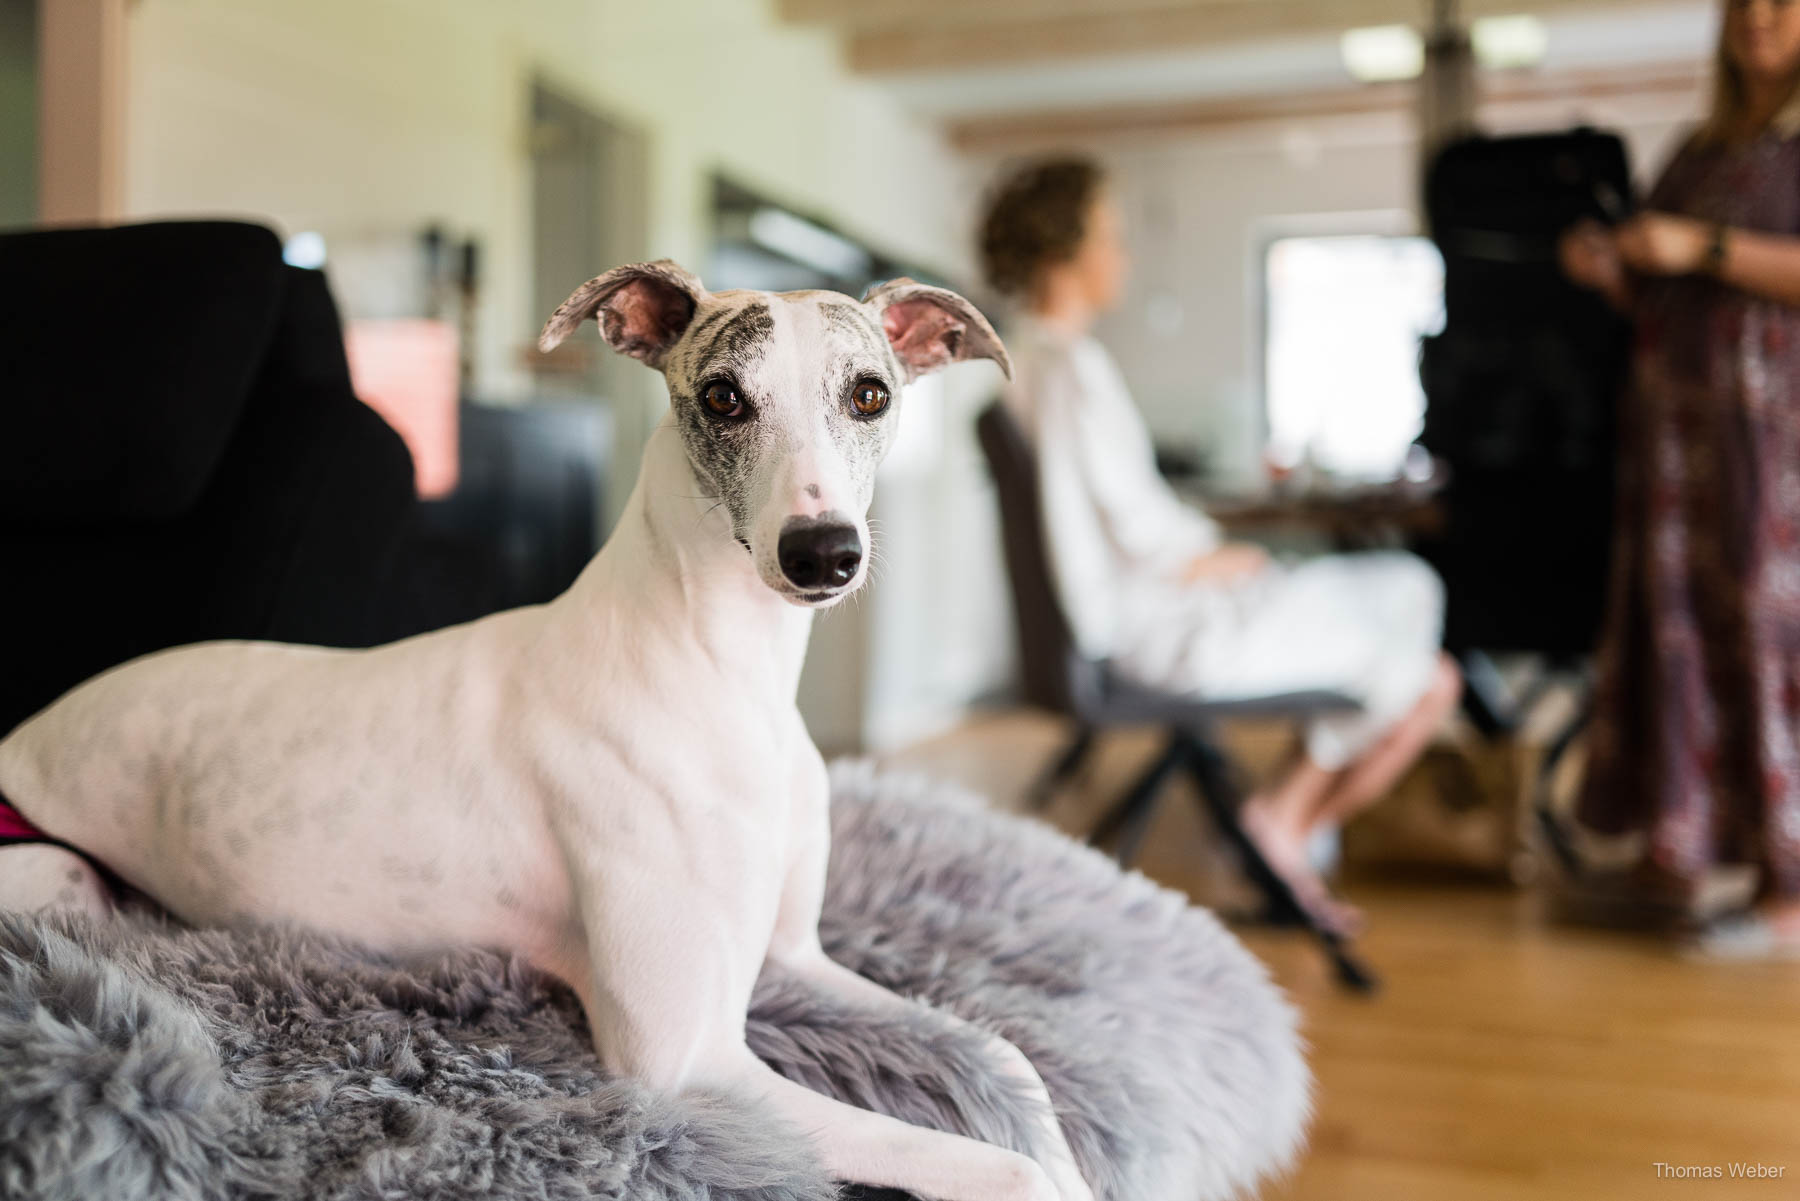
(1662, 244)
(1589, 253)
(1231, 562)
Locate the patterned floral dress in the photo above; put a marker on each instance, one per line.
(1696, 738)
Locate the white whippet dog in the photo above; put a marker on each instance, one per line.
(617, 783)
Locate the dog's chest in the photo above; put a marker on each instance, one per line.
(697, 846)
(722, 801)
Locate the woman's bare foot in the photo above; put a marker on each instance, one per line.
(1783, 919)
(1285, 849)
(1343, 918)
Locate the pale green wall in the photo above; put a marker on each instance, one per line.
(18, 112)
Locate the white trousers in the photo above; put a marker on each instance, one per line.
(1365, 625)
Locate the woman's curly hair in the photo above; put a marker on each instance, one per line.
(1036, 217)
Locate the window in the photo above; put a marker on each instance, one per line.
(1341, 351)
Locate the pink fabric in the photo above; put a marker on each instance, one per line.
(406, 370)
(13, 825)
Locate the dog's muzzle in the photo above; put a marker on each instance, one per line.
(819, 556)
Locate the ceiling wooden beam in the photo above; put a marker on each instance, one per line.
(937, 47)
(916, 37)
(888, 14)
(1676, 81)
(1090, 125)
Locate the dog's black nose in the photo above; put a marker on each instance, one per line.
(820, 556)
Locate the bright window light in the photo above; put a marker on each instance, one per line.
(804, 242)
(305, 249)
(1341, 361)
(1383, 53)
(1506, 43)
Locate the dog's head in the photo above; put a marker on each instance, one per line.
(786, 401)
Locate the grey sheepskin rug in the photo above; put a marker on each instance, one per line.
(142, 1059)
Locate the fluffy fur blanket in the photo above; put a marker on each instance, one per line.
(141, 1059)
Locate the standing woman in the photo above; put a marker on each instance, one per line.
(1695, 747)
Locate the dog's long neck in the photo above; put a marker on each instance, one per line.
(675, 575)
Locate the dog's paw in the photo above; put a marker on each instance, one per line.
(1019, 1178)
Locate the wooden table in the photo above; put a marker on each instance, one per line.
(1350, 518)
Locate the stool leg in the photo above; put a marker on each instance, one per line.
(1223, 799)
(1485, 696)
(1130, 816)
(1038, 797)
(1550, 822)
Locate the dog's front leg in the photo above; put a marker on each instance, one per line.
(657, 1037)
(795, 946)
(839, 982)
(857, 1146)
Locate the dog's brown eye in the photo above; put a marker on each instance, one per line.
(722, 400)
(868, 398)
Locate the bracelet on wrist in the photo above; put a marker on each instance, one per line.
(1718, 249)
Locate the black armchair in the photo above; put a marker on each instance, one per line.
(181, 455)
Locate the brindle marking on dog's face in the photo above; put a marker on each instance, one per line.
(724, 344)
(801, 449)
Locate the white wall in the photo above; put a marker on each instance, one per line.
(357, 117)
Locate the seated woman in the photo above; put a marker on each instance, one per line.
(1151, 586)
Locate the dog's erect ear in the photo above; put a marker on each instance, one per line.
(930, 328)
(642, 309)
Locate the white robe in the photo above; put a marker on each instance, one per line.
(1367, 626)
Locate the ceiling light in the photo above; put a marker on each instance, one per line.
(1383, 53)
(1509, 42)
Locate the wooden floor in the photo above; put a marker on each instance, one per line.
(1509, 1056)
